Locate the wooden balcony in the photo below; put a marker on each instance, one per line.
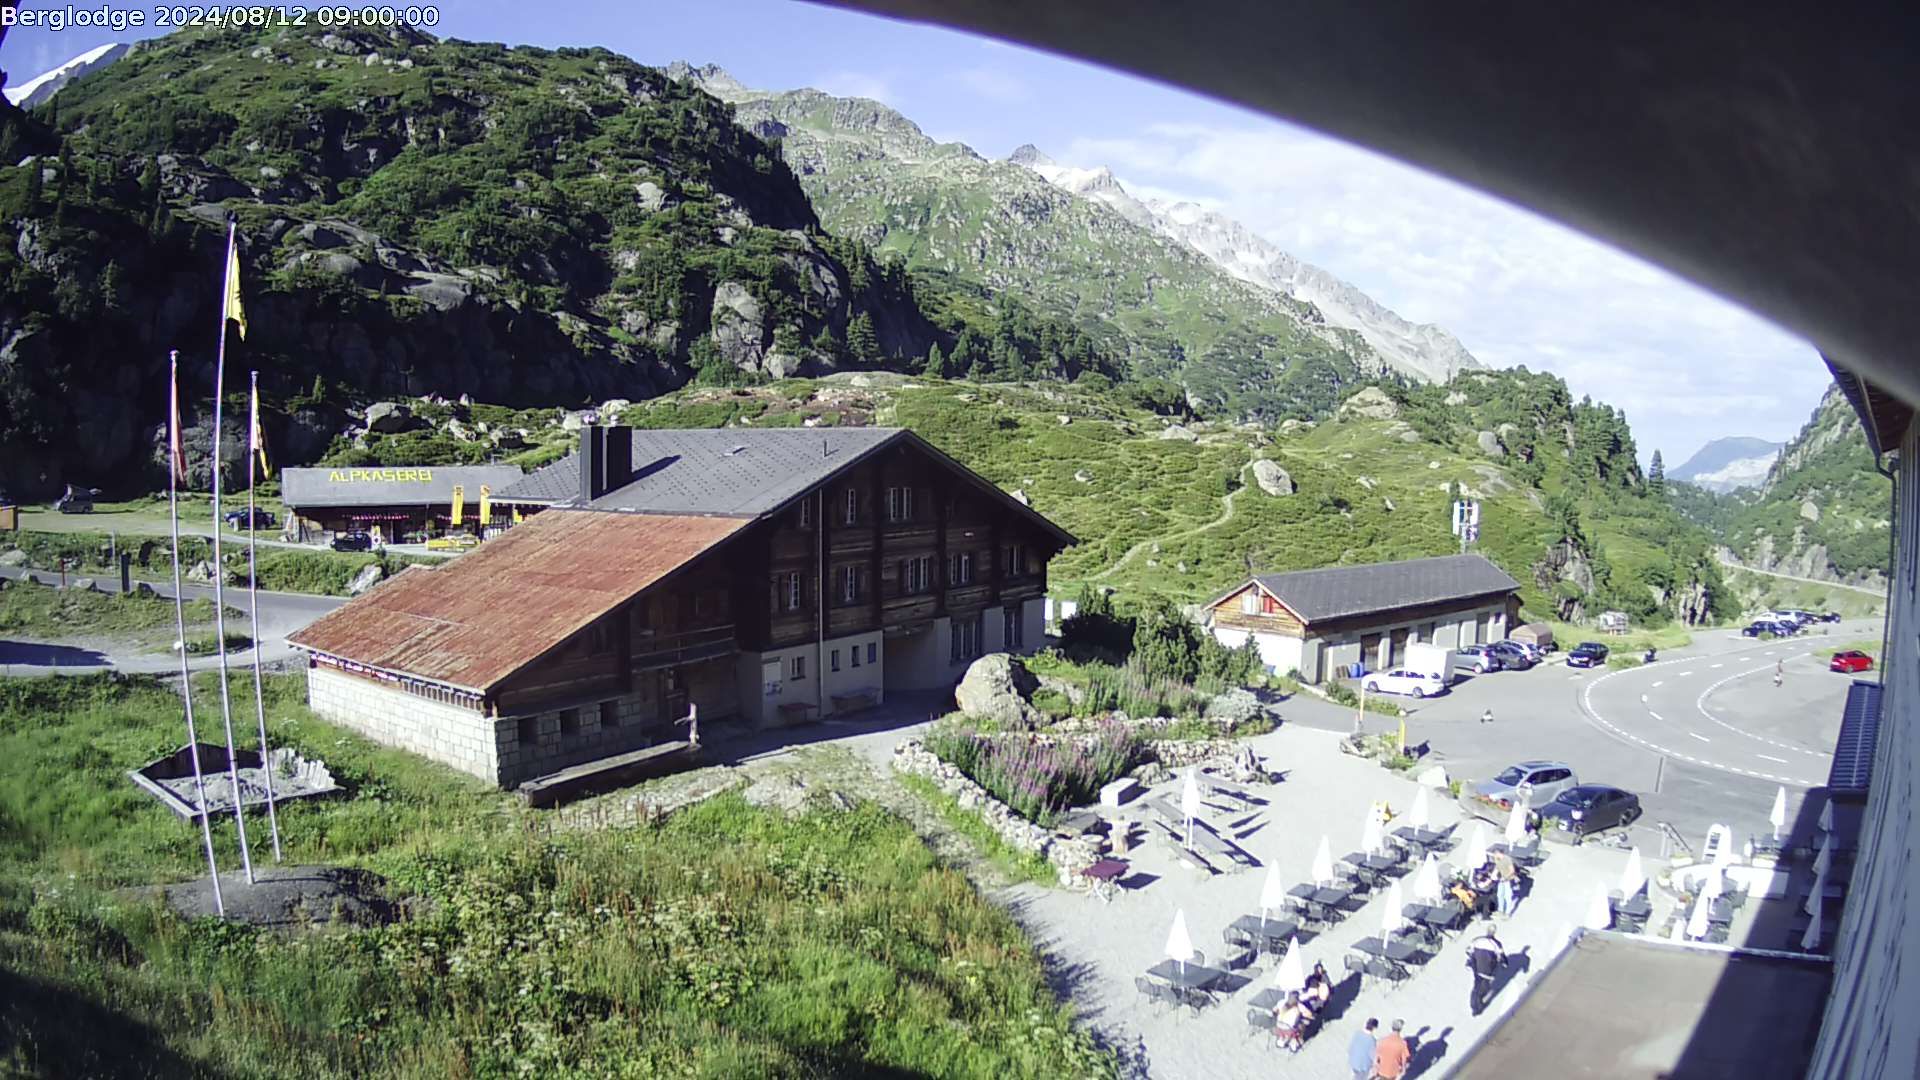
(671, 650)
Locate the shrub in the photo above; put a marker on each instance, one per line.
(1093, 628)
(1036, 779)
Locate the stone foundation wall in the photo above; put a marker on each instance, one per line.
(455, 736)
(1069, 857)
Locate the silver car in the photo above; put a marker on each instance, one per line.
(1541, 781)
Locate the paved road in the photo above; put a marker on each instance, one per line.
(1594, 720)
(280, 614)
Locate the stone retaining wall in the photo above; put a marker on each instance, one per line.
(1069, 857)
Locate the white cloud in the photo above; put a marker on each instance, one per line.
(993, 84)
(854, 84)
(1686, 365)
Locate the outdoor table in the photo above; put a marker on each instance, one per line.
(1397, 951)
(1440, 917)
(1634, 907)
(1271, 933)
(1332, 896)
(1423, 839)
(1302, 891)
(1186, 976)
(1104, 874)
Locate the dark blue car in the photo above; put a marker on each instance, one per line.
(1587, 654)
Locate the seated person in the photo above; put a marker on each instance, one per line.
(1465, 895)
(1483, 879)
(1319, 990)
(1290, 1020)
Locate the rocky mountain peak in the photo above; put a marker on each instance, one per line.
(1029, 155)
(709, 77)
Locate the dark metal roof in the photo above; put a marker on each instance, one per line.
(1338, 592)
(474, 621)
(736, 471)
(1853, 750)
(423, 485)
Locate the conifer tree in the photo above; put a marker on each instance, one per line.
(1657, 475)
(936, 365)
(34, 187)
(862, 344)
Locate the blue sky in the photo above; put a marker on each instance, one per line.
(1686, 366)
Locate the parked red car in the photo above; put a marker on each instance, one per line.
(1851, 661)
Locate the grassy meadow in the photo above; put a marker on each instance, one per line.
(34, 612)
(327, 573)
(731, 941)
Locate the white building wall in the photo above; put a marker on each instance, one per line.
(817, 687)
(1281, 653)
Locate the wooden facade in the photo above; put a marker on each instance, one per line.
(892, 544)
(1269, 617)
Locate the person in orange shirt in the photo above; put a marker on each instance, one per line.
(1391, 1054)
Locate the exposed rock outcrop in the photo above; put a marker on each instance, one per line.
(1272, 479)
(998, 687)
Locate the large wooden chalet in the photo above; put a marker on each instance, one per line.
(686, 569)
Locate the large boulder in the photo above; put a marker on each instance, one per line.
(739, 326)
(1371, 403)
(388, 417)
(1272, 479)
(997, 687)
(16, 557)
(1490, 445)
(1179, 433)
(369, 576)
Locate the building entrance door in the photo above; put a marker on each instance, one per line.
(673, 699)
(1397, 652)
(1370, 652)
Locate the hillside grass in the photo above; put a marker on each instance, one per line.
(1764, 592)
(33, 612)
(325, 573)
(731, 941)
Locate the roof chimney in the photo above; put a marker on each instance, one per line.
(617, 467)
(593, 452)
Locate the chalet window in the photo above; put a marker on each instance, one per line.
(610, 714)
(806, 513)
(854, 655)
(872, 650)
(799, 669)
(569, 721)
(643, 616)
(850, 584)
(529, 729)
(701, 607)
(960, 569)
(786, 592)
(1013, 635)
(1250, 602)
(916, 575)
(1016, 560)
(597, 639)
(899, 504)
(835, 661)
(966, 639)
(853, 506)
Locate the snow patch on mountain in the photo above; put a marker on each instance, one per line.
(1419, 349)
(1736, 474)
(45, 85)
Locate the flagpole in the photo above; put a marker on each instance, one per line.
(256, 437)
(175, 462)
(219, 567)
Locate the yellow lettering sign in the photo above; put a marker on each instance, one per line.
(380, 476)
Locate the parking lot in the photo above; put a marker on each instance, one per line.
(1712, 742)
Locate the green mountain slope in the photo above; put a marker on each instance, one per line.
(1822, 512)
(529, 227)
(1241, 351)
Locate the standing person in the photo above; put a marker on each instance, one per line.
(1485, 956)
(1360, 1051)
(1507, 874)
(1391, 1055)
(1779, 671)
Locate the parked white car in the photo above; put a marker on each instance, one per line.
(1402, 681)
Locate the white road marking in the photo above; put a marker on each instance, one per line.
(1718, 666)
(1656, 716)
(1770, 757)
(1684, 674)
(1701, 704)
(1657, 683)
(1702, 738)
(1586, 704)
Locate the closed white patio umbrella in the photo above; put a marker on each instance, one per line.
(1292, 972)
(1179, 944)
(1391, 919)
(1517, 824)
(1778, 817)
(1810, 940)
(1600, 912)
(1426, 883)
(1814, 898)
(1418, 817)
(1697, 922)
(1715, 886)
(1272, 893)
(1373, 835)
(1323, 862)
(1634, 877)
(1190, 802)
(1477, 847)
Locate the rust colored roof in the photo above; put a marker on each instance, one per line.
(481, 617)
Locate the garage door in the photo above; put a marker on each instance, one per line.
(1398, 653)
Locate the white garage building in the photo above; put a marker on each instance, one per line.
(1318, 622)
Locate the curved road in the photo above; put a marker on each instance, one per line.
(280, 614)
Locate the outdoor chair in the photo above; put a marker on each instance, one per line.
(1239, 957)
(1163, 994)
(1193, 998)
(1356, 963)
(1388, 970)
(1148, 989)
(1234, 936)
(1259, 1020)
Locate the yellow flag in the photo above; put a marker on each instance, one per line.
(486, 505)
(459, 503)
(258, 437)
(516, 515)
(233, 310)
